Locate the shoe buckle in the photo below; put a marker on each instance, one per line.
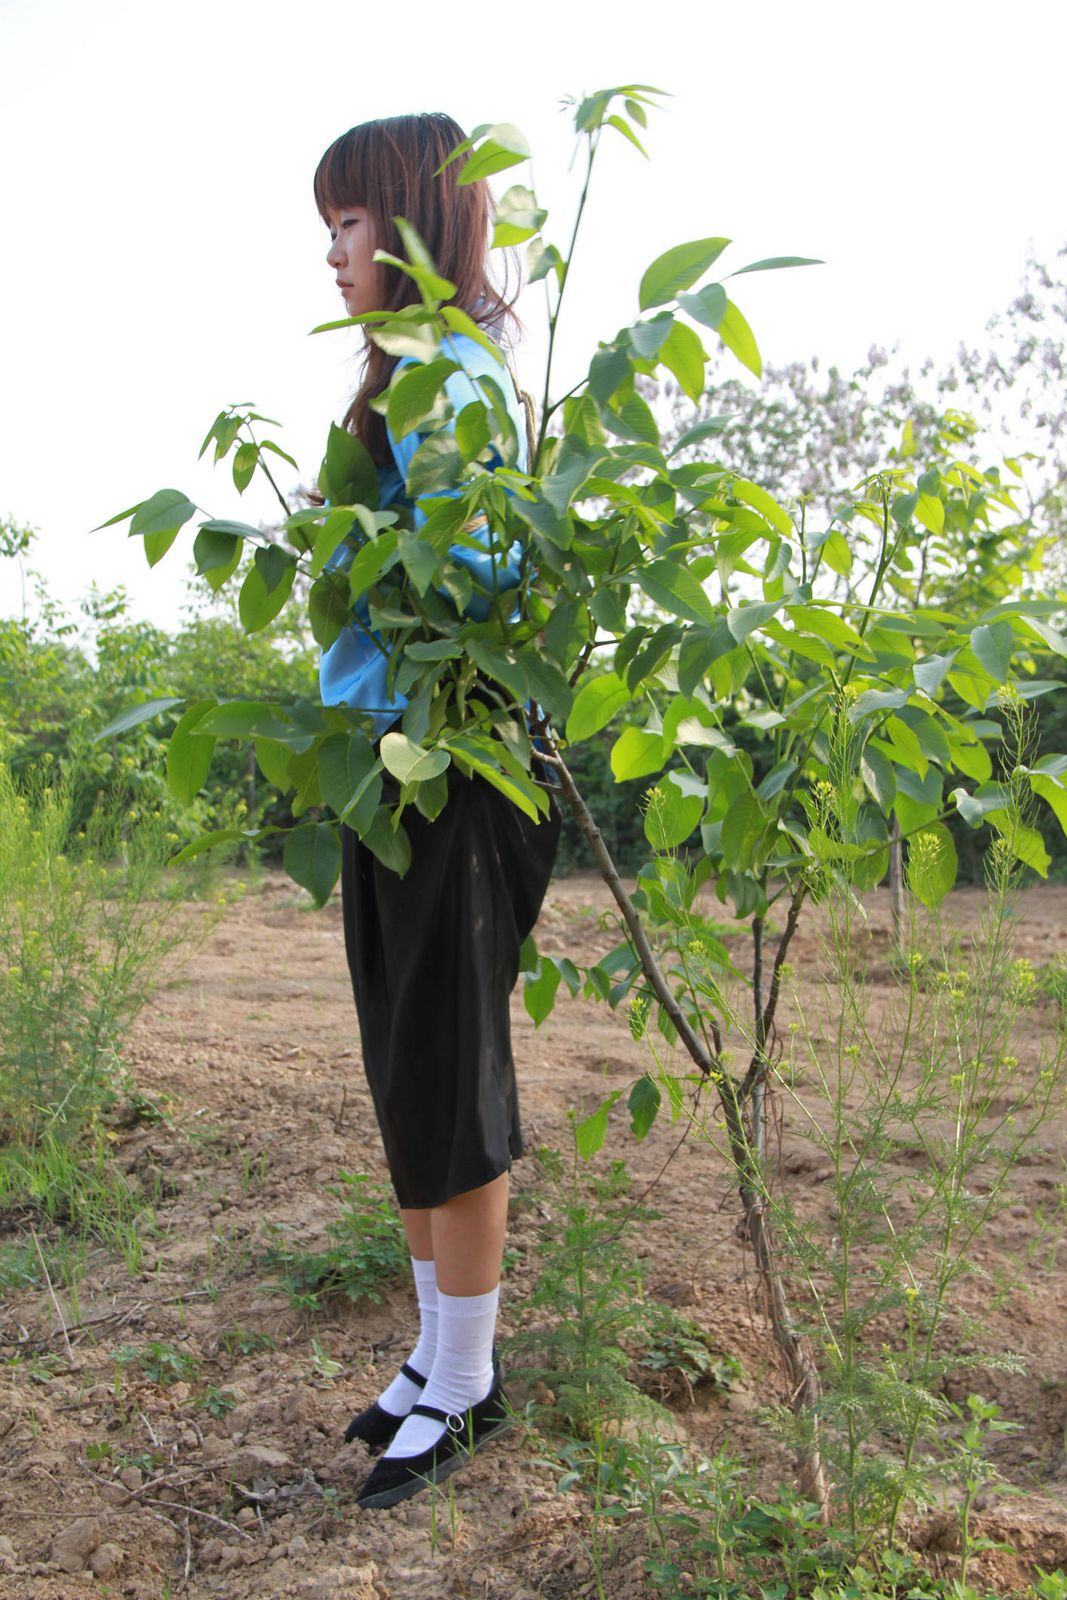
(460, 1424)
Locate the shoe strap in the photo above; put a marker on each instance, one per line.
(443, 1416)
(416, 1377)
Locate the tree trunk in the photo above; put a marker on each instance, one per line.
(804, 1386)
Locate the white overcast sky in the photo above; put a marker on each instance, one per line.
(163, 256)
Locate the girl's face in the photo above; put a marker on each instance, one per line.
(350, 256)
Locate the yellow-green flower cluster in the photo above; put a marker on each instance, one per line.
(1022, 980)
(638, 1010)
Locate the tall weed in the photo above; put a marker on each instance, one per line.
(83, 935)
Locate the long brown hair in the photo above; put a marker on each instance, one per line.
(388, 166)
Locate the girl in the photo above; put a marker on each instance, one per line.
(434, 955)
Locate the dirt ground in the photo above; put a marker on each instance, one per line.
(252, 1044)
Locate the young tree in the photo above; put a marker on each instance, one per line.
(615, 519)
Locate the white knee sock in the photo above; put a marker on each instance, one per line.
(462, 1371)
(401, 1394)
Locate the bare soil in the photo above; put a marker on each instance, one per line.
(252, 1045)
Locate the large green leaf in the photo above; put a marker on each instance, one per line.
(595, 704)
(978, 807)
(370, 561)
(765, 504)
(503, 145)
(414, 395)
(391, 845)
(472, 430)
(1053, 793)
(992, 646)
(826, 624)
(496, 663)
(636, 753)
(135, 715)
(643, 1104)
(699, 650)
(708, 305)
(408, 338)
(539, 990)
(670, 814)
(518, 216)
(437, 465)
(207, 841)
(1024, 842)
(418, 558)
(327, 611)
(876, 700)
(238, 719)
(930, 511)
(312, 858)
(634, 419)
(737, 336)
(547, 683)
(260, 601)
(969, 755)
(700, 431)
(675, 588)
(189, 757)
(651, 655)
(431, 286)
(609, 370)
(878, 778)
(676, 269)
(163, 513)
(648, 336)
(349, 470)
(929, 674)
(410, 762)
(773, 262)
(346, 522)
(491, 759)
(742, 826)
(918, 799)
(1054, 639)
(273, 759)
(743, 620)
(589, 1133)
(836, 553)
(458, 320)
(684, 355)
(215, 541)
(217, 553)
(350, 778)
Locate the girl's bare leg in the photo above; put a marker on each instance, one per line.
(417, 1228)
(465, 1237)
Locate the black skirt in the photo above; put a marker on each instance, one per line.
(434, 957)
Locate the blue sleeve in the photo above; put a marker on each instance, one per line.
(461, 391)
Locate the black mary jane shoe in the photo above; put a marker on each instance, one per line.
(375, 1426)
(395, 1478)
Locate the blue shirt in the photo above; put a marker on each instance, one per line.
(353, 670)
